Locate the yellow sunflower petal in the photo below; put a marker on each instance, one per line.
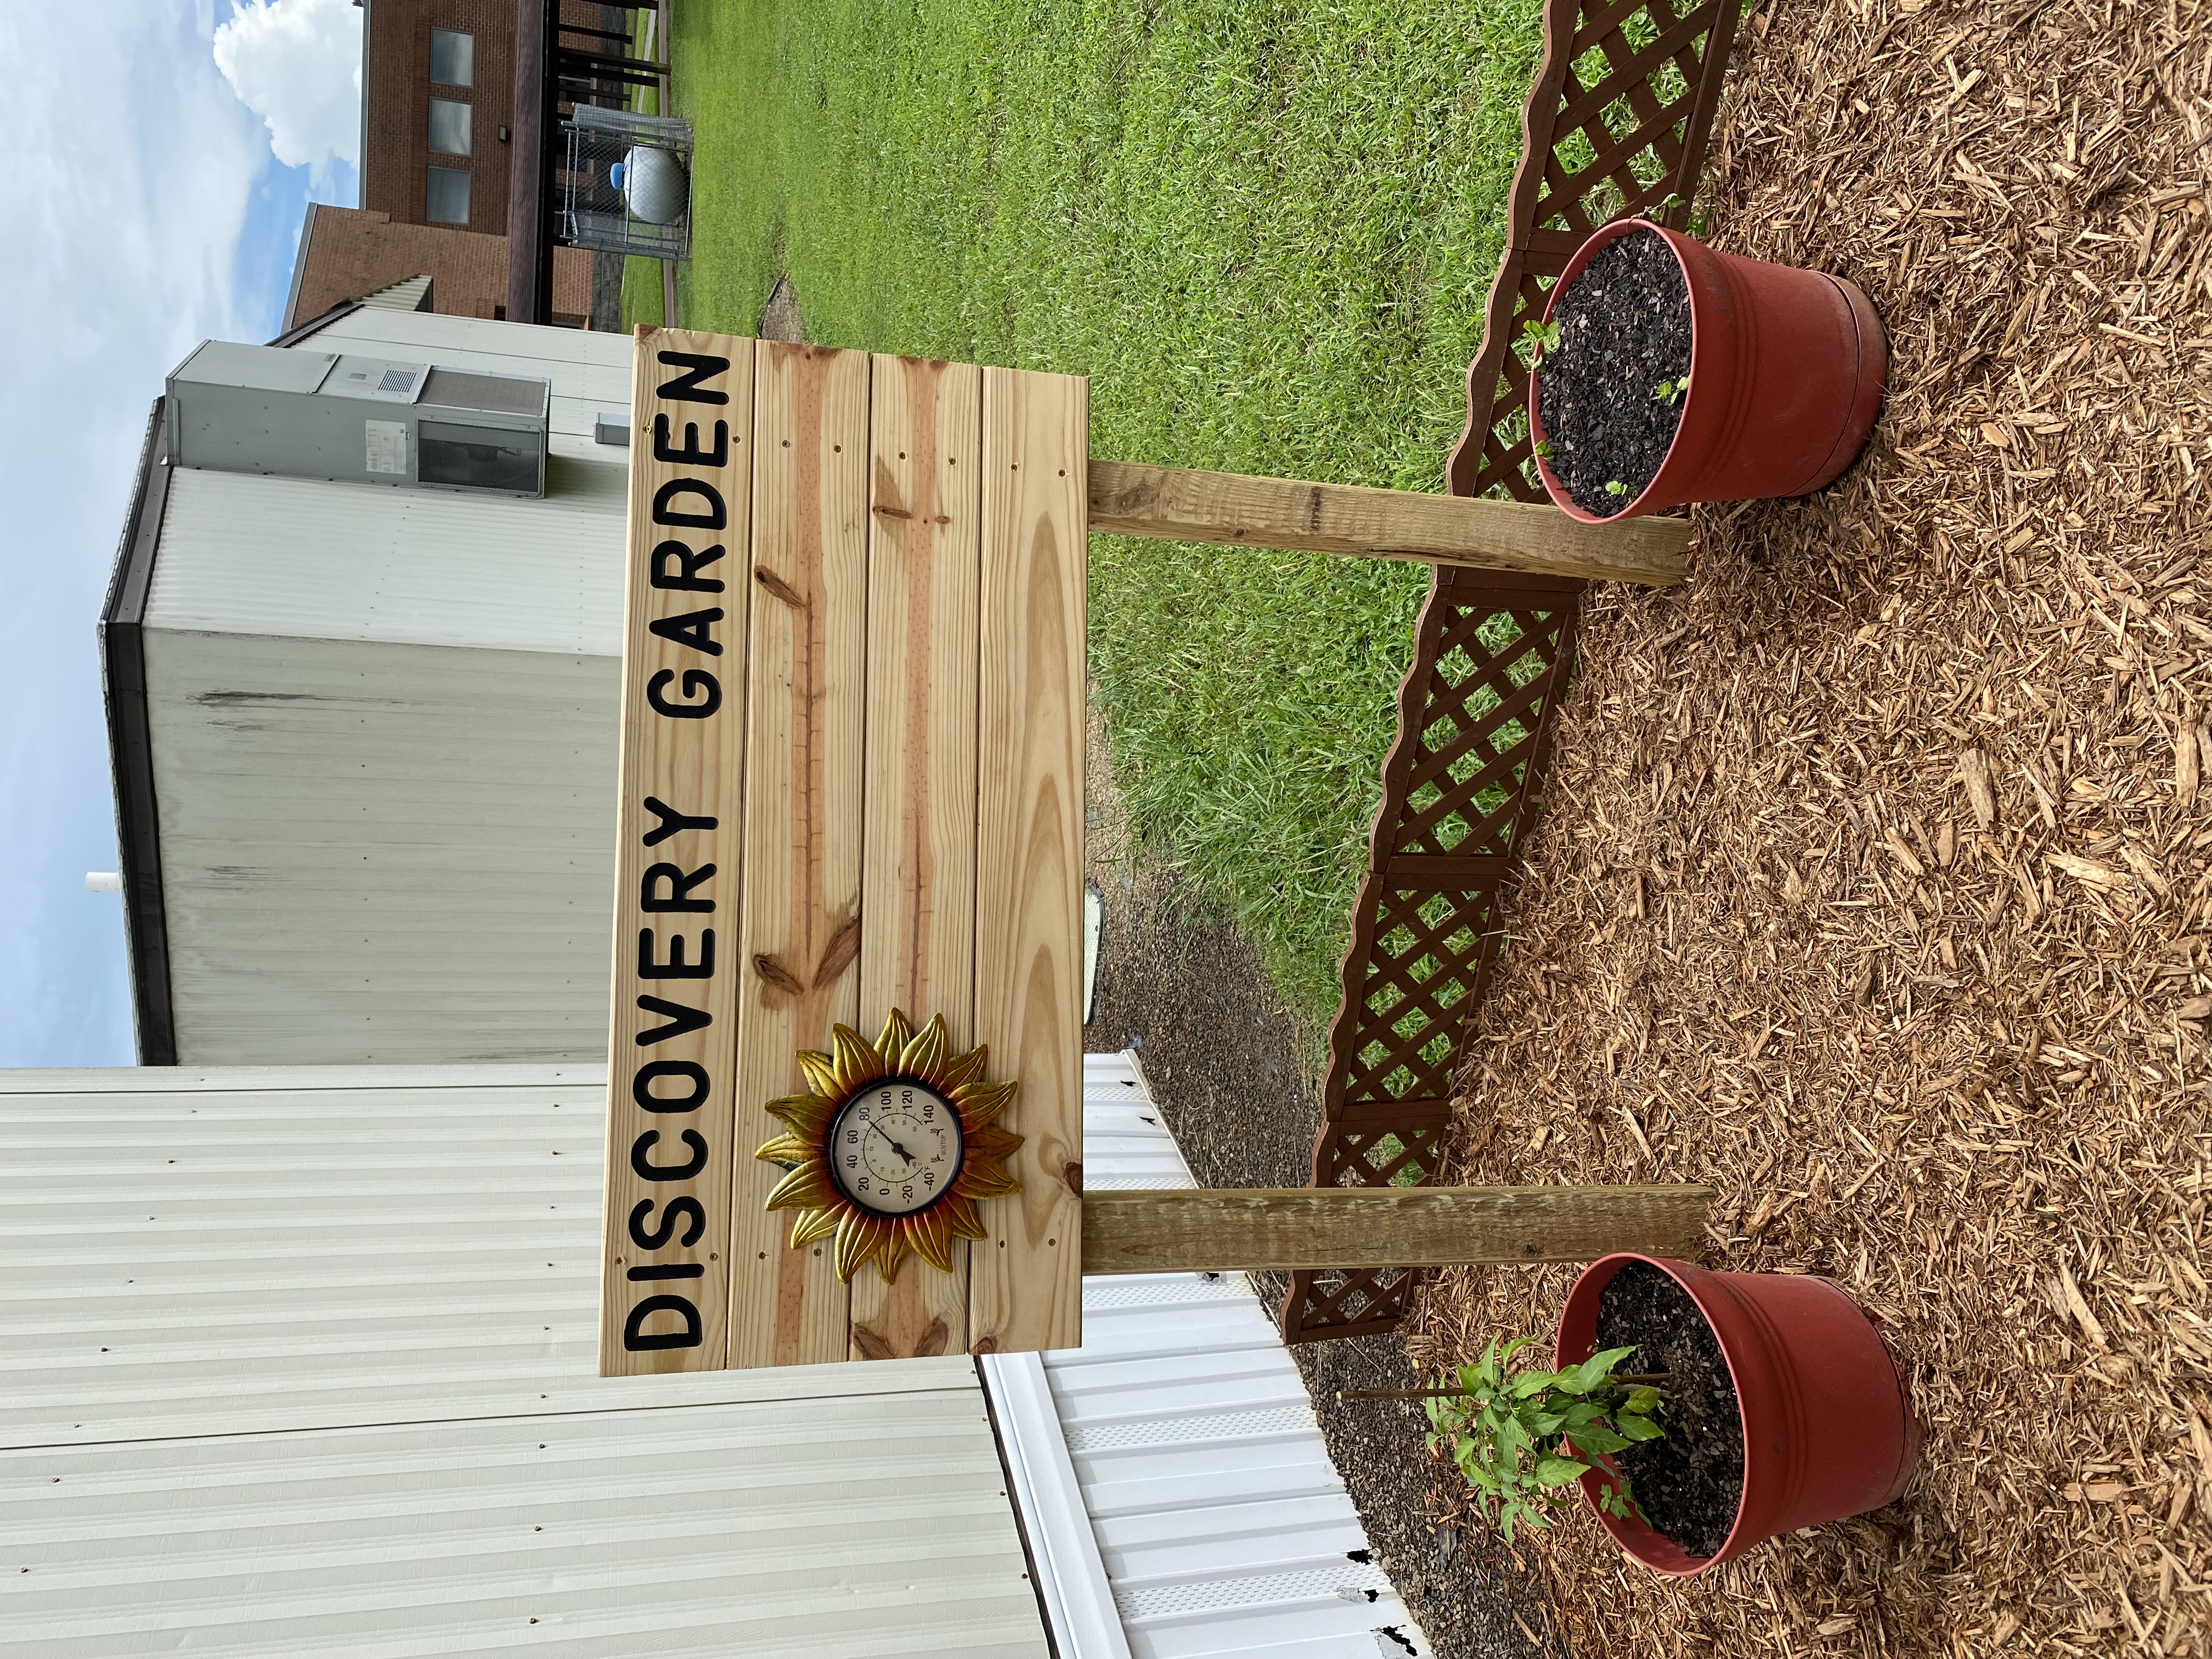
(963, 1068)
(788, 1151)
(810, 1224)
(921, 1055)
(931, 1239)
(805, 1187)
(858, 1062)
(890, 1253)
(821, 1072)
(804, 1114)
(979, 1103)
(858, 1237)
(990, 1140)
(981, 1178)
(962, 1219)
(898, 1031)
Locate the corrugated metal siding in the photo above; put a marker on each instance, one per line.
(370, 1254)
(1221, 1523)
(367, 1245)
(383, 853)
(309, 559)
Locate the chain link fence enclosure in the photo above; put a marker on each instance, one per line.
(597, 212)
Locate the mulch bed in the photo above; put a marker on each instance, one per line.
(1875, 884)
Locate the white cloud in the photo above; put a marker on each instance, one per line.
(296, 64)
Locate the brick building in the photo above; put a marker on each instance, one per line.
(436, 109)
(347, 253)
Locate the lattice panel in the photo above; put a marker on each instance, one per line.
(1616, 125)
(1486, 700)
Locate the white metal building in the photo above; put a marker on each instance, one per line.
(298, 1361)
(365, 739)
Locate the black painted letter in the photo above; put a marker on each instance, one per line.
(697, 683)
(636, 1339)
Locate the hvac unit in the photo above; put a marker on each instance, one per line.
(358, 420)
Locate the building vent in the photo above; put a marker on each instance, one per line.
(300, 415)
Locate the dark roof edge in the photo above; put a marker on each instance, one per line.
(292, 337)
(300, 264)
(129, 747)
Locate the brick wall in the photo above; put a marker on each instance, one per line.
(396, 94)
(397, 90)
(347, 253)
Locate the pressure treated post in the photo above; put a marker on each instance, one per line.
(1260, 1229)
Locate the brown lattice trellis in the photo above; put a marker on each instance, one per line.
(1616, 124)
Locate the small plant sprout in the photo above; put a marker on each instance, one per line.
(1540, 339)
(1544, 449)
(1667, 390)
(1520, 1440)
(1614, 487)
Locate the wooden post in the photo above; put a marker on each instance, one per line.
(1172, 503)
(1262, 1229)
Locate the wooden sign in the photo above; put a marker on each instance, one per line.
(851, 782)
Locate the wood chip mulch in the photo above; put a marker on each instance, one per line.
(1875, 884)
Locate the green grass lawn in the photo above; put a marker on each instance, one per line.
(1264, 230)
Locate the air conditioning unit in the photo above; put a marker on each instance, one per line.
(299, 414)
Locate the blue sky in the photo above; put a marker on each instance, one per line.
(155, 203)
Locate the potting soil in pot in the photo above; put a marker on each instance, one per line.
(1690, 1480)
(1624, 332)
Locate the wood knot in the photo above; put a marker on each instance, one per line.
(781, 588)
(1072, 1175)
(777, 976)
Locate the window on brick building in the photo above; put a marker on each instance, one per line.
(452, 58)
(448, 203)
(449, 128)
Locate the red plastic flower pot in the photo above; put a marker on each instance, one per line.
(1787, 369)
(1826, 1429)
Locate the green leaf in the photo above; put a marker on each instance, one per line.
(1530, 1382)
(1643, 1400)
(1557, 1471)
(1597, 1438)
(1639, 1428)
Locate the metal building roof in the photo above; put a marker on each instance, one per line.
(1216, 1524)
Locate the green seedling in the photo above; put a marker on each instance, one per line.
(1614, 487)
(1668, 390)
(1521, 1439)
(1544, 450)
(1540, 340)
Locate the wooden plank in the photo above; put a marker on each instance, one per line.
(1175, 504)
(1025, 1280)
(918, 882)
(1275, 1229)
(664, 1268)
(802, 845)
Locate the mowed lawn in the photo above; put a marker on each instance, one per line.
(1263, 230)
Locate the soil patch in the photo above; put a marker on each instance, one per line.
(1623, 336)
(780, 318)
(1690, 1480)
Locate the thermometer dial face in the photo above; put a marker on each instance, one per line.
(896, 1148)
